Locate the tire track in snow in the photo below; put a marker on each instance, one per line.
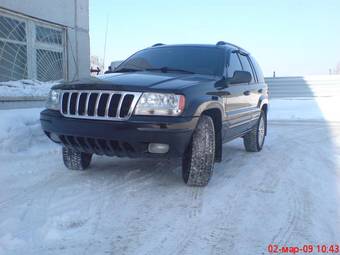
(36, 204)
(225, 180)
(195, 205)
(283, 236)
(176, 232)
(137, 226)
(222, 234)
(31, 191)
(138, 182)
(298, 206)
(183, 230)
(221, 238)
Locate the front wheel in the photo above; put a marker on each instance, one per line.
(198, 161)
(253, 141)
(75, 160)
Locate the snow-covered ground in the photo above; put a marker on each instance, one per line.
(25, 88)
(317, 108)
(288, 194)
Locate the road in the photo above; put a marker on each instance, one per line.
(288, 194)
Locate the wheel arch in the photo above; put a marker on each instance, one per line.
(263, 104)
(264, 108)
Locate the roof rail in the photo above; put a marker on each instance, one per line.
(157, 44)
(230, 44)
(221, 43)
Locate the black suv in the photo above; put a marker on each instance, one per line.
(164, 101)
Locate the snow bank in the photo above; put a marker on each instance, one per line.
(324, 108)
(20, 131)
(25, 88)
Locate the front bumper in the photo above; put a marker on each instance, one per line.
(120, 138)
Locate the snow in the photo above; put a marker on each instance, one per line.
(20, 131)
(25, 88)
(318, 108)
(288, 194)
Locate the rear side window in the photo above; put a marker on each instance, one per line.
(234, 64)
(247, 67)
(258, 70)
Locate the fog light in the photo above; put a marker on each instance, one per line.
(54, 137)
(158, 148)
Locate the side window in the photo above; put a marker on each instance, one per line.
(247, 67)
(258, 70)
(234, 64)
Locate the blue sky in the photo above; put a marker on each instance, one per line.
(291, 37)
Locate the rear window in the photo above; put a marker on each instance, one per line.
(200, 60)
(246, 66)
(258, 70)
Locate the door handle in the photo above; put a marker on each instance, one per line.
(246, 93)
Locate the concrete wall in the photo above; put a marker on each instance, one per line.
(72, 14)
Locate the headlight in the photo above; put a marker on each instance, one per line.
(160, 104)
(53, 101)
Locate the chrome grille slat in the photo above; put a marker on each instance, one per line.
(108, 104)
(122, 95)
(134, 103)
(97, 103)
(87, 104)
(103, 104)
(62, 100)
(69, 103)
(77, 103)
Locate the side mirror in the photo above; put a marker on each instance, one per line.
(240, 77)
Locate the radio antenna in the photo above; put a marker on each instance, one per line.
(107, 26)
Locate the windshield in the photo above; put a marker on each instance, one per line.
(189, 59)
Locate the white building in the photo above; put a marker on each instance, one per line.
(44, 39)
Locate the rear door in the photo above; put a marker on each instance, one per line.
(252, 89)
(237, 101)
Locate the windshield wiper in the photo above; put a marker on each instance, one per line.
(166, 69)
(126, 70)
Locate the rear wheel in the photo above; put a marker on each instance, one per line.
(254, 140)
(75, 160)
(198, 161)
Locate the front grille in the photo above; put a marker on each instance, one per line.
(98, 104)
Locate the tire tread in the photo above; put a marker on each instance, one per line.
(198, 161)
(75, 160)
(250, 140)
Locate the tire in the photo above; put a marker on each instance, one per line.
(198, 160)
(254, 140)
(75, 160)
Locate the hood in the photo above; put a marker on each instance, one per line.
(141, 81)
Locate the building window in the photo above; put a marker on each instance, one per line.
(31, 49)
(49, 65)
(13, 49)
(48, 35)
(49, 52)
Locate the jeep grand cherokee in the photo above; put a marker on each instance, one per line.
(181, 101)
